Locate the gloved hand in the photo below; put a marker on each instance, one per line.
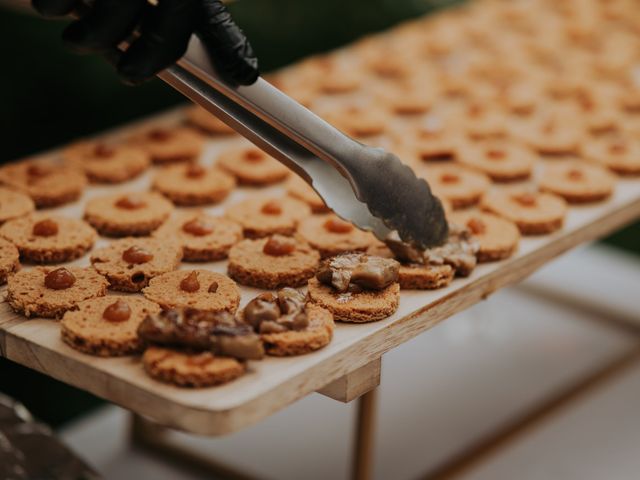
(165, 29)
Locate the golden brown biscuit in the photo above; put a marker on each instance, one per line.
(502, 161)
(9, 260)
(107, 162)
(14, 204)
(129, 263)
(460, 186)
(203, 238)
(577, 182)
(192, 184)
(262, 216)
(272, 262)
(331, 235)
(365, 306)
(44, 238)
(170, 144)
(49, 184)
(186, 369)
(498, 237)
(123, 214)
(620, 155)
(252, 166)
(534, 213)
(49, 292)
(106, 326)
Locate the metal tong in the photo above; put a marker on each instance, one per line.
(367, 186)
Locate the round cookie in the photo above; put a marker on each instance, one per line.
(577, 182)
(106, 326)
(534, 213)
(497, 237)
(43, 238)
(365, 306)
(170, 144)
(186, 369)
(129, 263)
(460, 186)
(318, 334)
(415, 276)
(203, 120)
(14, 204)
(301, 190)
(203, 238)
(107, 163)
(124, 214)
(330, 235)
(273, 262)
(550, 135)
(252, 166)
(195, 289)
(9, 260)
(620, 155)
(432, 140)
(29, 291)
(192, 184)
(502, 161)
(358, 122)
(264, 216)
(48, 184)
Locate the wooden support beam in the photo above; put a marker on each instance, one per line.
(354, 384)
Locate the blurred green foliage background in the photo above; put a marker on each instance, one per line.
(49, 96)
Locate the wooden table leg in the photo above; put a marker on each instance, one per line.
(364, 439)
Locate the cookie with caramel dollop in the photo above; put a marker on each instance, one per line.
(331, 235)
(263, 216)
(252, 166)
(193, 184)
(106, 326)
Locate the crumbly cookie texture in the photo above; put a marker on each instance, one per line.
(203, 237)
(534, 213)
(28, 294)
(330, 235)
(44, 238)
(127, 214)
(364, 306)
(186, 369)
(107, 162)
(14, 204)
(301, 190)
(203, 120)
(90, 330)
(497, 237)
(170, 144)
(416, 276)
(317, 335)
(211, 292)
(252, 166)
(128, 276)
(192, 184)
(263, 216)
(577, 182)
(9, 260)
(250, 265)
(460, 186)
(49, 184)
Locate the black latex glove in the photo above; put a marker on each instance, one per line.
(164, 29)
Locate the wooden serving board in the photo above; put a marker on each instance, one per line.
(274, 383)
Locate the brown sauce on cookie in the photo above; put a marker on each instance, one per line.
(159, 134)
(195, 171)
(213, 288)
(190, 283)
(137, 255)
(575, 174)
(477, 226)
(618, 148)
(118, 311)
(59, 279)
(103, 151)
(279, 246)
(449, 178)
(36, 170)
(198, 227)
(335, 225)
(496, 154)
(45, 228)
(272, 207)
(254, 156)
(130, 202)
(526, 199)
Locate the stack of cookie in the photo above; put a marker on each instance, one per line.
(513, 111)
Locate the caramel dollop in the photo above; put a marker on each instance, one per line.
(103, 151)
(278, 246)
(198, 227)
(449, 178)
(137, 255)
(195, 171)
(37, 170)
(496, 154)
(335, 225)
(45, 228)
(213, 288)
(190, 283)
(526, 199)
(59, 279)
(272, 207)
(575, 174)
(118, 311)
(254, 156)
(130, 202)
(477, 226)
(159, 134)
